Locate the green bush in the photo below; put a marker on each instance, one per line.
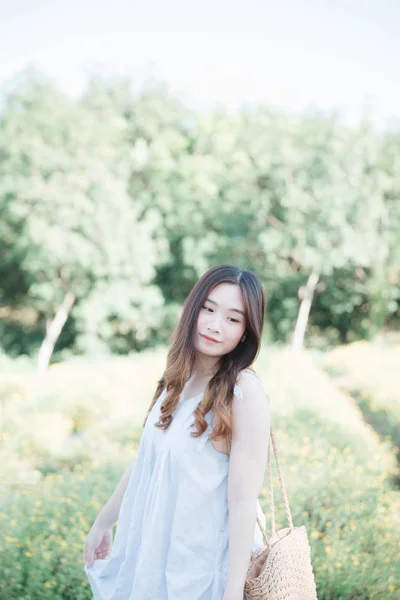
(44, 531)
(337, 471)
(370, 373)
(346, 504)
(338, 476)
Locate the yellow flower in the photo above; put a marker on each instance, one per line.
(49, 584)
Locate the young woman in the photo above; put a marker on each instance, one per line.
(187, 507)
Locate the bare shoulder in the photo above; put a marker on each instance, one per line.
(251, 414)
(247, 373)
(249, 386)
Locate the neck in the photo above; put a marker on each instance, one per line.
(205, 367)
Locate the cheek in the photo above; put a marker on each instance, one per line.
(233, 336)
(200, 321)
(238, 337)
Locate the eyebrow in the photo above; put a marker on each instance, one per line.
(232, 309)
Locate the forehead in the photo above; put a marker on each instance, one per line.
(227, 295)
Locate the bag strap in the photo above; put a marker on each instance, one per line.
(271, 492)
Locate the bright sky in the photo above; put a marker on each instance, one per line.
(291, 53)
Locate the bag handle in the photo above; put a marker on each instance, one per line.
(271, 492)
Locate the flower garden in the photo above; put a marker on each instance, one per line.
(67, 436)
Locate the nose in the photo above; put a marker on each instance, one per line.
(214, 324)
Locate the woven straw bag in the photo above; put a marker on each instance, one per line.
(282, 569)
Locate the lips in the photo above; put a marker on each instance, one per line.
(209, 339)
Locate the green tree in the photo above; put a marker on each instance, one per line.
(81, 242)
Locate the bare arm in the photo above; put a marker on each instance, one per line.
(251, 424)
(108, 515)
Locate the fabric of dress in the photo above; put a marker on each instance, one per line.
(171, 541)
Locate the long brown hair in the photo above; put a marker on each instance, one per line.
(181, 355)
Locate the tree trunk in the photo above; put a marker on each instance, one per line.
(53, 331)
(307, 294)
(378, 284)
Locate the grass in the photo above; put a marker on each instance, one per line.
(370, 373)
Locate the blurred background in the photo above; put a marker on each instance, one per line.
(142, 143)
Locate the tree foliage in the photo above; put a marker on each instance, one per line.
(114, 203)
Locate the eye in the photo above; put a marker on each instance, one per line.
(231, 319)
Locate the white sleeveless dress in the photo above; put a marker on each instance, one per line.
(171, 541)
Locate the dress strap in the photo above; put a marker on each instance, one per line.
(238, 392)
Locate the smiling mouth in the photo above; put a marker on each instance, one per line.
(209, 339)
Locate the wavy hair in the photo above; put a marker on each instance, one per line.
(218, 394)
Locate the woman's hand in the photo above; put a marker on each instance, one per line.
(98, 544)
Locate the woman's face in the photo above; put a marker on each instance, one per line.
(222, 319)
